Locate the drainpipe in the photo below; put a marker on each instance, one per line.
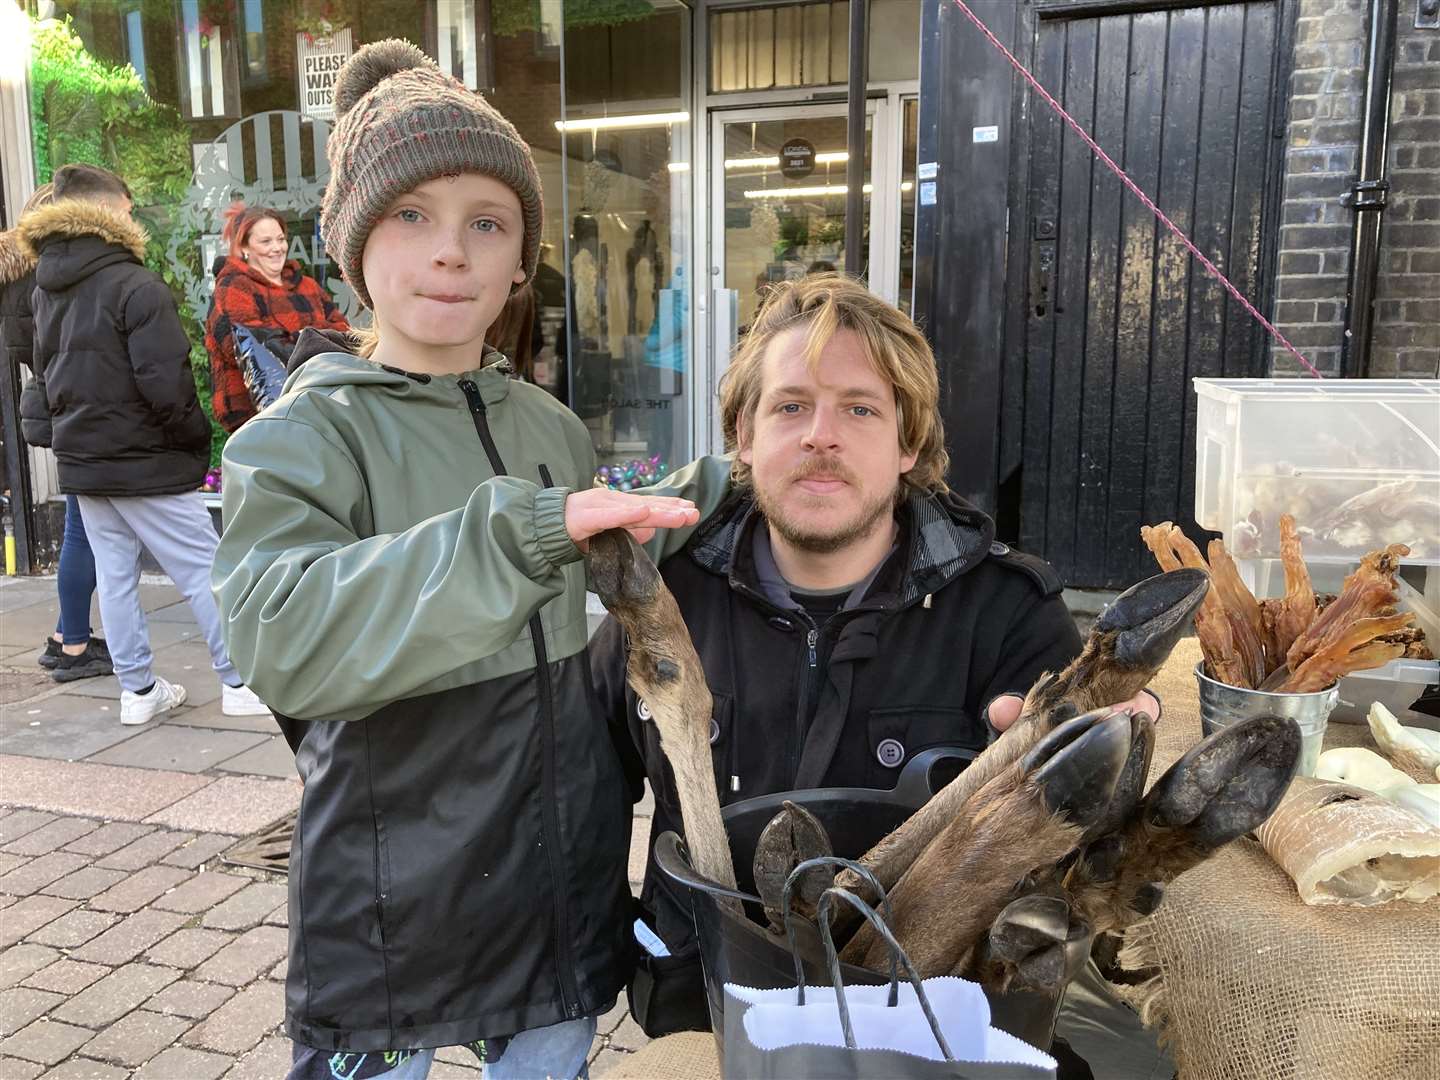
(855, 139)
(1369, 193)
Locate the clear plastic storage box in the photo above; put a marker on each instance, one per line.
(1356, 461)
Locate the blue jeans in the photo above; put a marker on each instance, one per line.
(76, 580)
(557, 1052)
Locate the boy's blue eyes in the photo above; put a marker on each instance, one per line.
(413, 217)
(790, 408)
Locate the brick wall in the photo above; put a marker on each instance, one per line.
(1327, 99)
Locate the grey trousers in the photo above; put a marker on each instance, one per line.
(177, 531)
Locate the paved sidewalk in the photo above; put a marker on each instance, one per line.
(127, 949)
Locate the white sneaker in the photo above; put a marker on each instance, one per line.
(142, 708)
(241, 701)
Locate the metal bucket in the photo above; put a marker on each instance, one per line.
(1222, 705)
(741, 950)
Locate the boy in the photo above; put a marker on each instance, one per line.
(401, 572)
(112, 370)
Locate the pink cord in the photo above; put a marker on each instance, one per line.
(1135, 189)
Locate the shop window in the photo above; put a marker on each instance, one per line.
(457, 35)
(209, 79)
(252, 40)
(627, 136)
(135, 44)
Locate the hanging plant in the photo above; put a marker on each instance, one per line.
(214, 14)
(322, 18)
(511, 17)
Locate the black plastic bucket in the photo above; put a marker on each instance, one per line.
(743, 951)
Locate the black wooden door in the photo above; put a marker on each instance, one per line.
(1108, 317)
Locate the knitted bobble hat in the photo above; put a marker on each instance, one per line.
(401, 121)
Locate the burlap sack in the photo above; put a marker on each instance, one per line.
(1247, 982)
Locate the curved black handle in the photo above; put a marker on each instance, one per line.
(913, 784)
(673, 864)
(896, 952)
(785, 894)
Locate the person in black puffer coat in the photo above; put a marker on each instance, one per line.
(112, 369)
(75, 654)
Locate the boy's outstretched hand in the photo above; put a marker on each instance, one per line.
(597, 509)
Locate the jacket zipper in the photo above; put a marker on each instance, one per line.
(569, 993)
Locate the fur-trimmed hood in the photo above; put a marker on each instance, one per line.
(16, 258)
(74, 238)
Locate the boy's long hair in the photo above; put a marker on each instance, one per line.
(828, 303)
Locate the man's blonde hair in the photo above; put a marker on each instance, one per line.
(827, 304)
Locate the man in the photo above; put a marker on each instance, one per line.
(848, 609)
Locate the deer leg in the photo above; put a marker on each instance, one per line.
(1224, 787)
(665, 671)
(1128, 644)
(1024, 821)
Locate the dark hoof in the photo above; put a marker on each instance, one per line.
(792, 836)
(1077, 765)
(619, 572)
(1150, 617)
(1038, 943)
(1147, 898)
(1229, 783)
(1130, 787)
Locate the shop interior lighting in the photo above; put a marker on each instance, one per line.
(611, 123)
(819, 190)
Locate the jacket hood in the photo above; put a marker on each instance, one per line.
(327, 358)
(75, 238)
(16, 258)
(941, 537)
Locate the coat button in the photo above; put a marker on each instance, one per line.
(890, 752)
(642, 710)
(997, 548)
(714, 732)
(781, 624)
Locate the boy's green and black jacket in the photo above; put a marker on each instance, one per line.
(395, 573)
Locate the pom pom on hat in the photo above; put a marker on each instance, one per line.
(373, 64)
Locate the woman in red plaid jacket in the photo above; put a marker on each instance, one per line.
(259, 288)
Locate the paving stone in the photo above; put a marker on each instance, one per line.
(63, 727)
(145, 850)
(19, 963)
(15, 825)
(242, 1021)
(180, 749)
(115, 995)
(246, 957)
(10, 862)
(628, 1035)
(12, 1068)
(21, 1004)
(279, 917)
(181, 1061)
(130, 937)
(56, 834)
(458, 1055)
(84, 883)
(268, 1061)
(74, 928)
(139, 889)
(67, 976)
(24, 917)
(190, 999)
(6, 900)
(47, 1041)
(232, 804)
(188, 947)
(281, 970)
(273, 757)
(85, 1069)
(109, 837)
(201, 892)
(606, 1060)
(246, 909)
(96, 791)
(612, 1019)
(37, 873)
(449, 1071)
(213, 716)
(199, 851)
(137, 1037)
